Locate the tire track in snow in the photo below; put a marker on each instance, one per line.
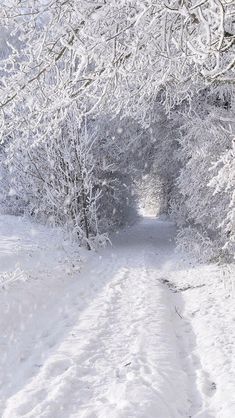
(199, 385)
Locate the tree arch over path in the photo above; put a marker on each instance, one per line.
(95, 93)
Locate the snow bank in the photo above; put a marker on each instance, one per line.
(208, 294)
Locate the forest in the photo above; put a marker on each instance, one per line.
(107, 104)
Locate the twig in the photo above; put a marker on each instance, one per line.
(178, 313)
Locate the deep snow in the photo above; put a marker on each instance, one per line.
(138, 333)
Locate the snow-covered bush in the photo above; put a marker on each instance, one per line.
(74, 177)
(196, 243)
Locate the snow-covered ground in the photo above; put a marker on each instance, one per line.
(138, 333)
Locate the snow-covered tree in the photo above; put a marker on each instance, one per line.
(204, 204)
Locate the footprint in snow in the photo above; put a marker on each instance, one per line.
(58, 367)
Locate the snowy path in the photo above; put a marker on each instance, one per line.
(111, 343)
